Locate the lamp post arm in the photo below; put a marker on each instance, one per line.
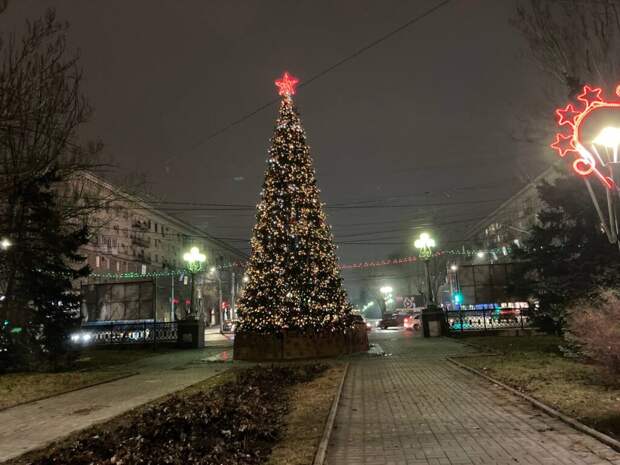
(611, 235)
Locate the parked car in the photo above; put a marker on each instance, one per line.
(412, 322)
(360, 319)
(229, 326)
(388, 321)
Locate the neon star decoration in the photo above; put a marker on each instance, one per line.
(588, 160)
(286, 85)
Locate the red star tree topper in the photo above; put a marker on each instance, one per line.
(286, 84)
(587, 160)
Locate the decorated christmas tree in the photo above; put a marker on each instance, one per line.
(294, 279)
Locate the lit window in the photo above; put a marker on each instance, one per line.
(97, 261)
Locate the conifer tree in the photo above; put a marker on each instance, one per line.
(294, 277)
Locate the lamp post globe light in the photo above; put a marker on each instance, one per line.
(5, 243)
(385, 290)
(195, 261)
(425, 244)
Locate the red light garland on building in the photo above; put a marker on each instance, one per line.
(571, 120)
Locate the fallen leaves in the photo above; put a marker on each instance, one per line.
(235, 423)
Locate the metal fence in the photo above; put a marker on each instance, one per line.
(488, 317)
(117, 333)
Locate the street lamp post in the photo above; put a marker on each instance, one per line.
(608, 140)
(194, 260)
(215, 273)
(425, 245)
(454, 286)
(386, 291)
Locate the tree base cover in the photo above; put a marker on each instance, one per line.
(235, 423)
(296, 345)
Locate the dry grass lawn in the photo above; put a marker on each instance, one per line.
(310, 405)
(93, 366)
(121, 420)
(534, 365)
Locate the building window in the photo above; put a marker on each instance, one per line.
(118, 267)
(97, 261)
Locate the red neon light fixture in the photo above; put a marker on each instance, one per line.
(570, 119)
(286, 84)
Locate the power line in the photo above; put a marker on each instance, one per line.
(209, 206)
(319, 75)
(251, 209)
(430, 223)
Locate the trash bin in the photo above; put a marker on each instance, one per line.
(191, 334)
(433, 322)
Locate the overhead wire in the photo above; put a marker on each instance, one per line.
(317, 76)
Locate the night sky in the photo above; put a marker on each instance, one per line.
(426, 117)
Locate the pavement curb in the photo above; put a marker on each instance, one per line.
(321, 452)
(607, 440)
(86, 386)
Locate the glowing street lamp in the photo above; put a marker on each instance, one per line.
(593, 158)
(386, 290)
(5, 243)
(194, 260)
(425, 245)
(387, 298)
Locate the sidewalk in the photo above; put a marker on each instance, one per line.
(30, 426)
(416, 408)
(213, 337)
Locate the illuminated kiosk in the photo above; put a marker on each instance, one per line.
(293, 304)
(586, 134)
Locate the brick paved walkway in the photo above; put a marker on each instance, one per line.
(416, 408)
(30, 426)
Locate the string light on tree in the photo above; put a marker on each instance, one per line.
(293, 277)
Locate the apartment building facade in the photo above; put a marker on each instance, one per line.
(508, 225)
(133, 240)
